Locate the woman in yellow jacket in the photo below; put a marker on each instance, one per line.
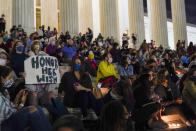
(106, 68)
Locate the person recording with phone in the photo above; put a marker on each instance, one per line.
(13, 115)
(77, 87)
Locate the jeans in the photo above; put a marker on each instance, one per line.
(57, 109)
(25, 118)
(87, 100)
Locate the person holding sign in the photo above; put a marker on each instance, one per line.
(39, 89)
(36, 49)
(13, 116)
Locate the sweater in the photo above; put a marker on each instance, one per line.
(68, 52)
(105, 70)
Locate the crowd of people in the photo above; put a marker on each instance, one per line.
(127, 88)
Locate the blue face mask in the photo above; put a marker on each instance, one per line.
(82, 54)
(41, 45)
(20, 48)
(9, 83)
(5, 39)
(53, 42)
(77, 67)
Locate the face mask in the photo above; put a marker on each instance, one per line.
(37, 47)
(2, 62)
(20, 48)
(5, 39)
(46, 40)
(9, 83)
(129, 62)
(82, 54)
(69, 46)
(100, 43)
(77, 67)
(91, 56)
(41, 45)
(110, 60)
(53, 42)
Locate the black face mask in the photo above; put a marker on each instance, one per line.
(168, 77)
(133, 54)
(125, 47)
(133, 57)
(151, 67)
(150, 83)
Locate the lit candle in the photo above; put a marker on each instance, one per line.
(174, 125)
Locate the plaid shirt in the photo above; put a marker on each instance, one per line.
(7, 108)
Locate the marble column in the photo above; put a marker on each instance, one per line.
(136, 20)
(158, 22)
(24, 13)
(69, 16)
(179, 20)
(109, 19)
(6, 9)
(96, 18)
(49, 13)
(85, 15)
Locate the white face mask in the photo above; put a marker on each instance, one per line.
(2, 62)
(110, 60)
(37, 47)
(46, 40)
(100, 44)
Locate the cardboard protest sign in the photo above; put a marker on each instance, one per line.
(42, 70)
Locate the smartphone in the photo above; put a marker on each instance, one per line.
(99, 85)
(76, 84)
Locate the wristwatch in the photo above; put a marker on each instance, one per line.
(21, 105)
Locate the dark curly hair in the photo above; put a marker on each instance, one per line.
(113, 117)
(4, 72)
(68, 121)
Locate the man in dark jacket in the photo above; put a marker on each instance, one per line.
(2, 23)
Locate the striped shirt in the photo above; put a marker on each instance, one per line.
(7, 108)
